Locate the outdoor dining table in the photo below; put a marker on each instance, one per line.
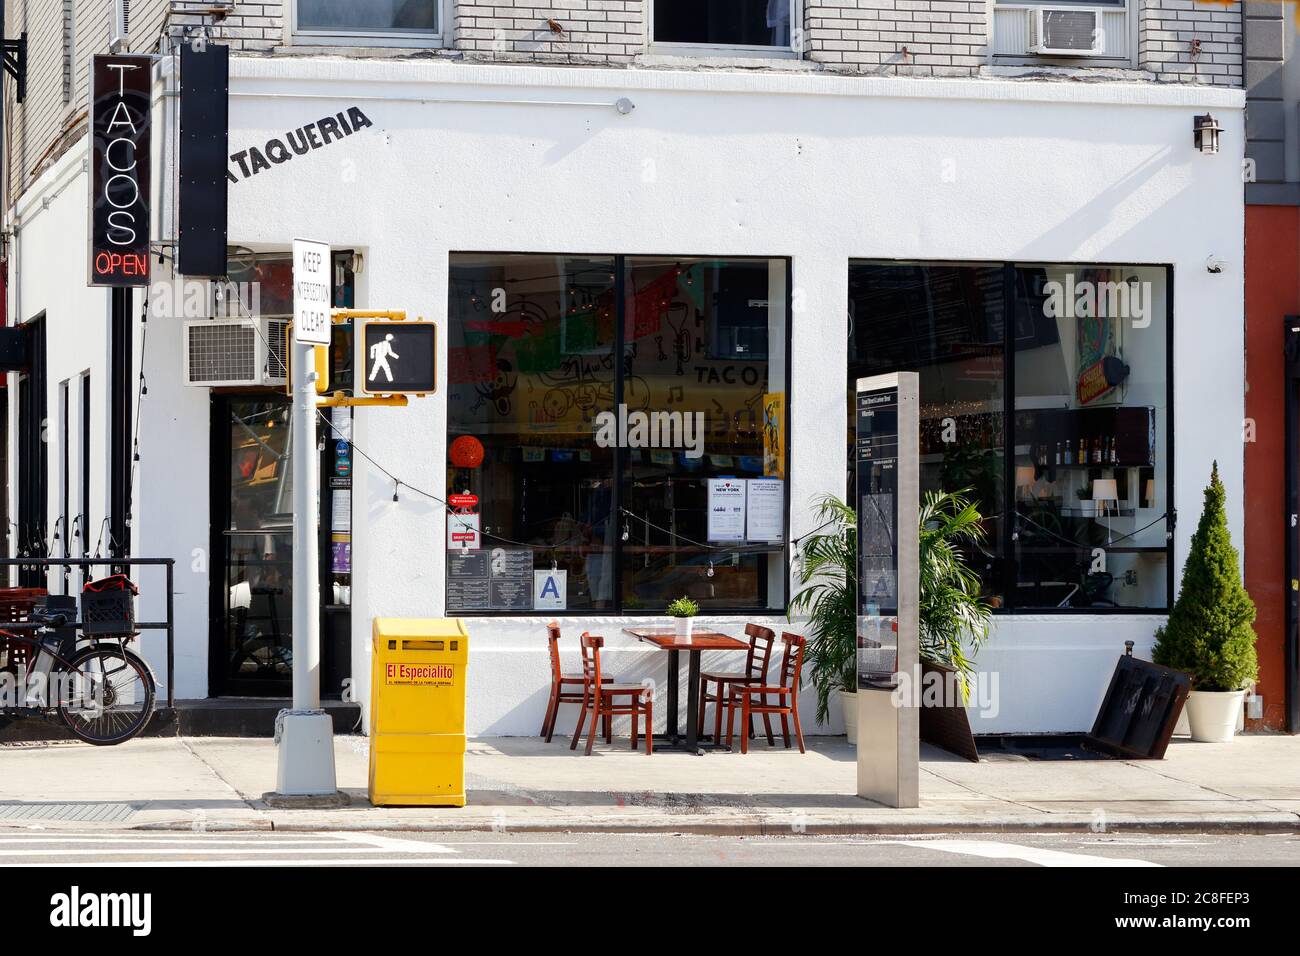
(667, 640)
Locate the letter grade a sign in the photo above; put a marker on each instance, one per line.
(120, 180)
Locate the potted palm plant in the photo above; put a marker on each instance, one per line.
(683, 611)
(826, 575)
(1210, 634)
(954, 619)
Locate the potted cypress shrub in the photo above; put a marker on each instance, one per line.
(683, 611)
(954, 619)
(1209, 634)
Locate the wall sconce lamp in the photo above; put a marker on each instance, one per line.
(1205, 134)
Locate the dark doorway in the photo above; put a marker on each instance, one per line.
(252, 523)
(251, 635)
(33, 458)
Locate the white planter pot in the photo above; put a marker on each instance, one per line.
(849, 707)
(1212, 715)
(684, 626)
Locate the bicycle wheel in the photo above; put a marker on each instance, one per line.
(107, 695)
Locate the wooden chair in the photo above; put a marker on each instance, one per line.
(743, 696)
(565, 688)
(757, 660)
(602, 699)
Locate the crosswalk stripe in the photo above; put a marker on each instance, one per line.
(1013, 851)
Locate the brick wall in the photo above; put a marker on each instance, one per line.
(1167, 35)
(253, 26)
(916, 37)
(593, 31)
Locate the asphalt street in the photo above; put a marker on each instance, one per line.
(63, 848)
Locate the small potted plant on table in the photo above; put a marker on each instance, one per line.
(1210, 634)
(683, 611)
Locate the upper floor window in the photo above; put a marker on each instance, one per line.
(399, 19)
(763, 25)
(1063, 32)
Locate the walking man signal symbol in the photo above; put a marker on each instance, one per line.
(396, 357)
(381, 352)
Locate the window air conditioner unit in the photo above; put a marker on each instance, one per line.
(223, 352)
(1065, 31)
(121, 25)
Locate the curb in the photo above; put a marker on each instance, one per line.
(1287, 823)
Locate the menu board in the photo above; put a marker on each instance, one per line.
(490, 579)
(877, 504)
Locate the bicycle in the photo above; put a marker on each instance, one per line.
(102, 692)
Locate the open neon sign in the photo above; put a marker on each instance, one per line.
(120, 180)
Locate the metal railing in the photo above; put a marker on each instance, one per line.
(169, 564)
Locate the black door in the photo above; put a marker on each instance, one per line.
(251, 579)
(252, 547)
(33, 459)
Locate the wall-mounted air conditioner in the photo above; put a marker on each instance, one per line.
(222, 352)
(121, 26)
(1066, 31)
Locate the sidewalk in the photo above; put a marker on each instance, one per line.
(1252, 784)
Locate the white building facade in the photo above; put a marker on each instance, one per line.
(736, 241)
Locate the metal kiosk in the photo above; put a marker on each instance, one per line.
(887, 455)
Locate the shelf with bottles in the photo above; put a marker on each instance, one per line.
(1114, 436)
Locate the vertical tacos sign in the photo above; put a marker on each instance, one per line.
(120, 171)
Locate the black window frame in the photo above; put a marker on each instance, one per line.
(1007, 584)
(788, 50)
(621, 456)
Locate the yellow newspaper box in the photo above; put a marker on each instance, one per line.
(417, 712)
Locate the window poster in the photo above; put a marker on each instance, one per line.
(765, 510)
(341, 554)
(726, 509)
(341, 510)
(774, 435)
(1097, 339)
(463, 530)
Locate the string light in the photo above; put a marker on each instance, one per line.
(398, 483)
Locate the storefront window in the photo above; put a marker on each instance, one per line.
(1091, 427)
(705, 343)
(1082, 466)
(945, 322)
(623, 483)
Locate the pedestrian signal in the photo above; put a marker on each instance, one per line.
(396, 358)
